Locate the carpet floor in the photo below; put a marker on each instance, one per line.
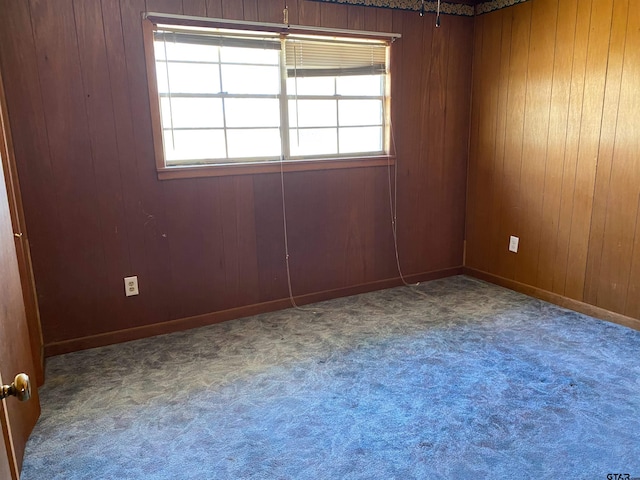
(454, 379)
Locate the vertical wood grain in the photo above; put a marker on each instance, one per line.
(149, 213)
(472, 170)
(408, 126)
(384, 20)
(333, 15)
(420, 230)
(196, 8)
(214, 8)
(371, 19)
(71, 160)
(250, 10)
(435, 115)
(590, 125)
(355, 17)
(27, 114)
(498, 237)
(233, 9)
(486, 103)
(622, 206)
(309, 13)
(558, 118)
(511, 211)
(576, 96)
(542, 48)
(270, 11)
(456, 147)
(602, 190)
(110, 211)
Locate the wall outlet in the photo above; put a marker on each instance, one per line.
(131, 286)
(513, 244)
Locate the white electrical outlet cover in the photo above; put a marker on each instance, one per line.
(131, 286)
(513, 244)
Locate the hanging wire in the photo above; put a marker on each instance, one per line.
(285, 14)
(166, 64)
(422, 9)
(393, 206)
(286, 245)
(438, 16)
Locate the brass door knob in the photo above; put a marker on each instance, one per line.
(20, 388)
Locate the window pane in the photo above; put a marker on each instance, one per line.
(188, 78)
(251, 79)
(316, 141)
(311, 86)
(360, 112)
(360, 85)
(249, 55)
(192, 112)
(193, 144)
(187, 51)
(252, 112)
(360, 139)
(312, 113)
(254, 143)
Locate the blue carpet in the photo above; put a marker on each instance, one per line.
(454, 379)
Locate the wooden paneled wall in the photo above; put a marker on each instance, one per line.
(75, 81)
(555, 150)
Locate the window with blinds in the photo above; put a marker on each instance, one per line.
(228, 96)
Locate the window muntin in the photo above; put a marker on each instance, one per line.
(230, 97)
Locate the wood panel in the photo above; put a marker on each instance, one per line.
(575, 204)
(535, 136)
(558, 122)
(605, 155)
(511, 204)
(619, 284)
(69, 146)
(455, 151)
(567, 189)
(590, 134)
(77, 94)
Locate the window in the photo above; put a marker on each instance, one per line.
(245, 97)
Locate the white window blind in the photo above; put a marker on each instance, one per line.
(222, 39)
(307, 57)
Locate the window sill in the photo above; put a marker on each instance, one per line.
(196, 171)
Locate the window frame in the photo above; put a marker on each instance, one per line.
(150, 23)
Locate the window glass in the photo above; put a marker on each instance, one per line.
(256, 143)
(311, 86)
(360, 85)
(186, 52)
(360, 139)
(312, 113)
(179, 77)
(184, 145)
(313, 141)
(251, 79)
(249, 55)
(252, 112)
(360, 112)
(192, 112)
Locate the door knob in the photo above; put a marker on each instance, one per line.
(20, 388)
